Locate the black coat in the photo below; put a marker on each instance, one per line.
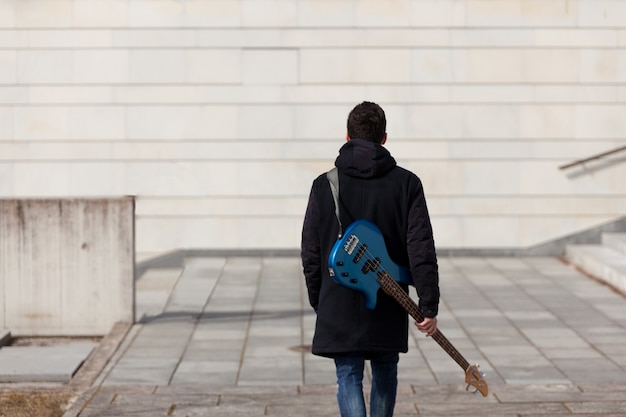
(372, 187)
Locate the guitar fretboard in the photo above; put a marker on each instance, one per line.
(392, 288)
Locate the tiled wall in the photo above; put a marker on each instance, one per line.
(218, 114)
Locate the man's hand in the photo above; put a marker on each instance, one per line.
(428, 326)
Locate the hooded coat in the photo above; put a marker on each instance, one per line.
(372, 187)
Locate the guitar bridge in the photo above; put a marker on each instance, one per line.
(351, 244)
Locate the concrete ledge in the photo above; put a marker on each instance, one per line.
(5, 337)
(76, 249)
(616, 241)
(556, 247)
(602, 262)
(97, 360)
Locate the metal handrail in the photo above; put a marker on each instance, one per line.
(591, 158)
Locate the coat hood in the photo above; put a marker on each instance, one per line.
(363, 159)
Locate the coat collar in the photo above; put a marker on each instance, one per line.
(364, 159)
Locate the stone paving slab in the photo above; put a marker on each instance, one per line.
(42, 363)
(233, 339)
(313, 401)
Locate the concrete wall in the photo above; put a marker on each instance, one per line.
(218, 114)
(66, 266)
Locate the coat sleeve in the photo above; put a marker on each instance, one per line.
(422, 255)
(311, 250)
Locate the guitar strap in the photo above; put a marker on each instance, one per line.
(333, 180)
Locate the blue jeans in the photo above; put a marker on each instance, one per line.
(350, 384)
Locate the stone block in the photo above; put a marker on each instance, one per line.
(579, 37)
(551, 66)
(55, 182)
(101, 66)
(600, 121)
(156, 13)
(188, 122)
(494, 65)
(44, 66)
(436, 65)
(101, 13)
(215, 13)
(601, 13)
(442, 13)
(372, 13)
(263, 13)
(93, 180)
(43, 13)
(8, 67)
(324, 13)
(41, 123)
(355, 65)
(7, 14)
(64, 38)
(307, 124)
(266, 66)
(157, 66)
(273, 121)
(97, 123)
(603, 65)
(8, 38)
(7, 180)
(488, 13)
(227, 65)
(435, 122)
(7, 115)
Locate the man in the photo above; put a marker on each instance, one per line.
(372, 187)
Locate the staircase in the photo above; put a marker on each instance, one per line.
(606, 261)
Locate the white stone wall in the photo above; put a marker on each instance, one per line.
(218, 114)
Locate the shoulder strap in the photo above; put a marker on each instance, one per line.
(333, 180)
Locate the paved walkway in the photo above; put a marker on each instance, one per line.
(229, 336)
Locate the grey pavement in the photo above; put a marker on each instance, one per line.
(230, 336)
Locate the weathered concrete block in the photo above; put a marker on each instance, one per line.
(66, 265)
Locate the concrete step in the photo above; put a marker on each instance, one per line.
(42, 363)
(601, 261)
(616, 241)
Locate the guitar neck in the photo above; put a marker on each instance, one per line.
(393, 289)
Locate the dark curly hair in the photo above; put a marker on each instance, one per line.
(367, 121)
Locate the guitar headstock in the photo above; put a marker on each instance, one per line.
(476, 379)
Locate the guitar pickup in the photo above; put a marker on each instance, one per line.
(371, 265)
(359, 254)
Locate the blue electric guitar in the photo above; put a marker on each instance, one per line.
(359, 260)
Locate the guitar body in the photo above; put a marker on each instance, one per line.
(351, 260)
(359, 260)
